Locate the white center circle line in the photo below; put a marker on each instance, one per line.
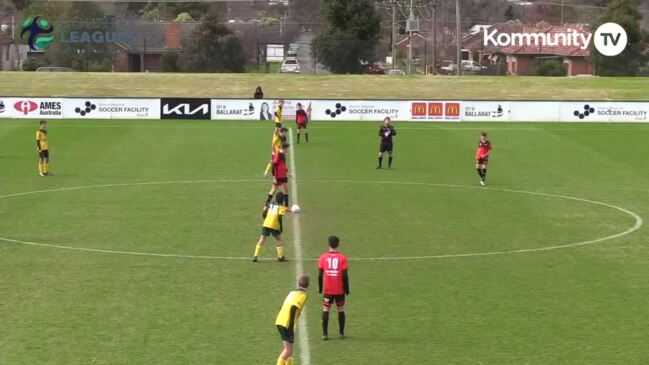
(638, 220)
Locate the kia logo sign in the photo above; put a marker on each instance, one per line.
(25, 106)
(183, 108)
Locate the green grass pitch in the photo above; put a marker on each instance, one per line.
(203, 197)
(79, 84)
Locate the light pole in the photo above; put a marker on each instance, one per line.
(410, 40)
(458, 36)
(434, 37)
(394, 35)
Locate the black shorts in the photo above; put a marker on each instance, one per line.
(328, 299)
(482, 161)
(44, 154)
(280, 180)
(286, 334)
(385, 147)
(265, 231)
(301, 126)
(278, 125)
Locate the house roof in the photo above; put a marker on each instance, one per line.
(475, 41)
(551, 50)
(478, 28)
(157, 37)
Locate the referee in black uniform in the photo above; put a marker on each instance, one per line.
(386, 132)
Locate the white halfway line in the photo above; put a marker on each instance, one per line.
(305, 353)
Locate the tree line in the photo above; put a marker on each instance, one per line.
(349, 34)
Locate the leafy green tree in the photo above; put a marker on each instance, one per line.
(268, 21)
(50, 11)
(167, 11)
(509, 13)
(214, 49)
(83, 55)
(184, 17)
(19, 4)
(349, 36)
(551, 68)
(7, 6)
(626, 14)
(31, 64)
(170, 62)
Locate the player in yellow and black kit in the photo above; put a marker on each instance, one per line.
(43, 147)
(273, 213)
(278, 114)
(287, 319)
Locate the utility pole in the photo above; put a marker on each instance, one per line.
(434, 38)
(410, 18)
(561, 12)
(394, 35)
(282, 19)
(458, 36)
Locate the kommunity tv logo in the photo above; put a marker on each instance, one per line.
(40, 31)
(610, 39)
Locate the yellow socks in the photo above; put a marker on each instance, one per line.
(45, 167)
(258, 250)
(41, 168)
(289, 361)
(281, 361)
(280, 251)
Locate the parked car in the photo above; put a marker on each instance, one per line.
(447, 67)
(374, 70)
(396, 72)
(54, 69)
(290, 65)
(471, 66)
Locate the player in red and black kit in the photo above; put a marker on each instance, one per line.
(482, 157)
(302, 119)
(280, 174)
(333, 282)
(386, 132)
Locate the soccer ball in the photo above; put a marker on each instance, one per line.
(295, 208)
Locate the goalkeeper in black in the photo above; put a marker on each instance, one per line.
(386, 132)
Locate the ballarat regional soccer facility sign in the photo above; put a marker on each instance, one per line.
(325, 110)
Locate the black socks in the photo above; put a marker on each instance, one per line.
(325, 323)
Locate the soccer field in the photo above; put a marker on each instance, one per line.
(137, 250)
(82, 84)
